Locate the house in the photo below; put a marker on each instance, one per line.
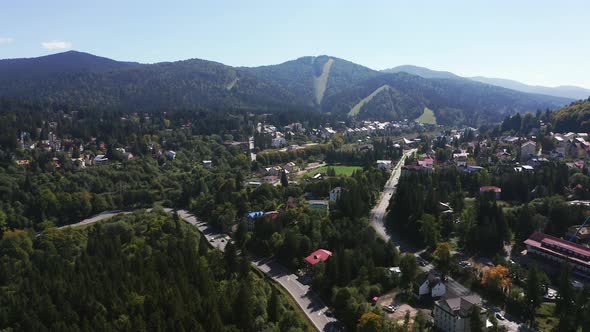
(454, 315)
(395, 271)
(527, 150)
(557, 251)
(335, 194)
(170, 154)
(207, 163)
(251, 218)
(493, 191)
(428, 284)
(277, 142)
(320, 255)
(100, 159)
(291, 167)
(384, 164)
(427, 162)
(271, 179)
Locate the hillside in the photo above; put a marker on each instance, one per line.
(452, 101)
(139, 272)
(573, 117)
(572, 92)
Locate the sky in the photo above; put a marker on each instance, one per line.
(536, 42)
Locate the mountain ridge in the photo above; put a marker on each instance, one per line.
(566, 91)
(87, 81)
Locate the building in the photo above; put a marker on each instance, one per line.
(320, 255)
(559, 251)
(493, 191)
(335, 194)
(277, 142)
(454, 315)
(101, 159)
(170, 154)
(207, 163)
(427, 162)
(291, 167)
(384, 164)
(528, 150)
(319, 205)
(427, 284)
(251, 218)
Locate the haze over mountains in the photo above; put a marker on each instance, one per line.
(321, 83)
(565, 91)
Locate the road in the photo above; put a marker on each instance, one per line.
(380, 210)
(378, 214)
(313, 307)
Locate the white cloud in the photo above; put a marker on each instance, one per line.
(56, 45)
(6, 40)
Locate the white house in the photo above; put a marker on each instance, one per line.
(207, 163)
(428, 284)
(454, 315)
(100, 159)
(335, 194)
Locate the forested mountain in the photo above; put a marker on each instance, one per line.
(574, 117)
(573, 92)
(452, 100)
(71, 61)
(323, 83)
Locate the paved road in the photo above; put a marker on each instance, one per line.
(310, 303)
(377, 222)
(380, 210)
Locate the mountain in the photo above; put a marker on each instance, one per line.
(321, 83)
(421, 71)
(572, 92)
(71, 61)
(573, 117)
(401, 95)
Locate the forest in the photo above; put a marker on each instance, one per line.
(136, 272)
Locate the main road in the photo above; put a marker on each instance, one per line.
(378, 223)
(309, 302)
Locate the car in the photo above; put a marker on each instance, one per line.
(464, 264)
(329, 313)
(499, 316)
(390, 308)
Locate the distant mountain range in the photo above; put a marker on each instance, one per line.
(572, 92)
(320, 83)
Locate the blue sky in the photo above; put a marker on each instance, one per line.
(536, 42)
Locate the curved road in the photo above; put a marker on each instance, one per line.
(309, 302)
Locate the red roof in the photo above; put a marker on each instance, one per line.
(490, 188)
(558, 246)
(426, 162)
(317, 256)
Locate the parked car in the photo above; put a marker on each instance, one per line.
(499, 316)
(390, 308)
(464, 264)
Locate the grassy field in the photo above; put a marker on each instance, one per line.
(357, 108)
(544, 319)
(340, 170)
(427, 117)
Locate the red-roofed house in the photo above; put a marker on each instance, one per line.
(559, 250)
(320, 255)
(426, 162)
(493, 190)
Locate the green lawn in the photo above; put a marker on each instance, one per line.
(340, 170)
(545, 319)
(427, 117)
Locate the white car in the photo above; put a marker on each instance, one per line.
(390, 308)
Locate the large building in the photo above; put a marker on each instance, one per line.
(454, 315)
(558, 251)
